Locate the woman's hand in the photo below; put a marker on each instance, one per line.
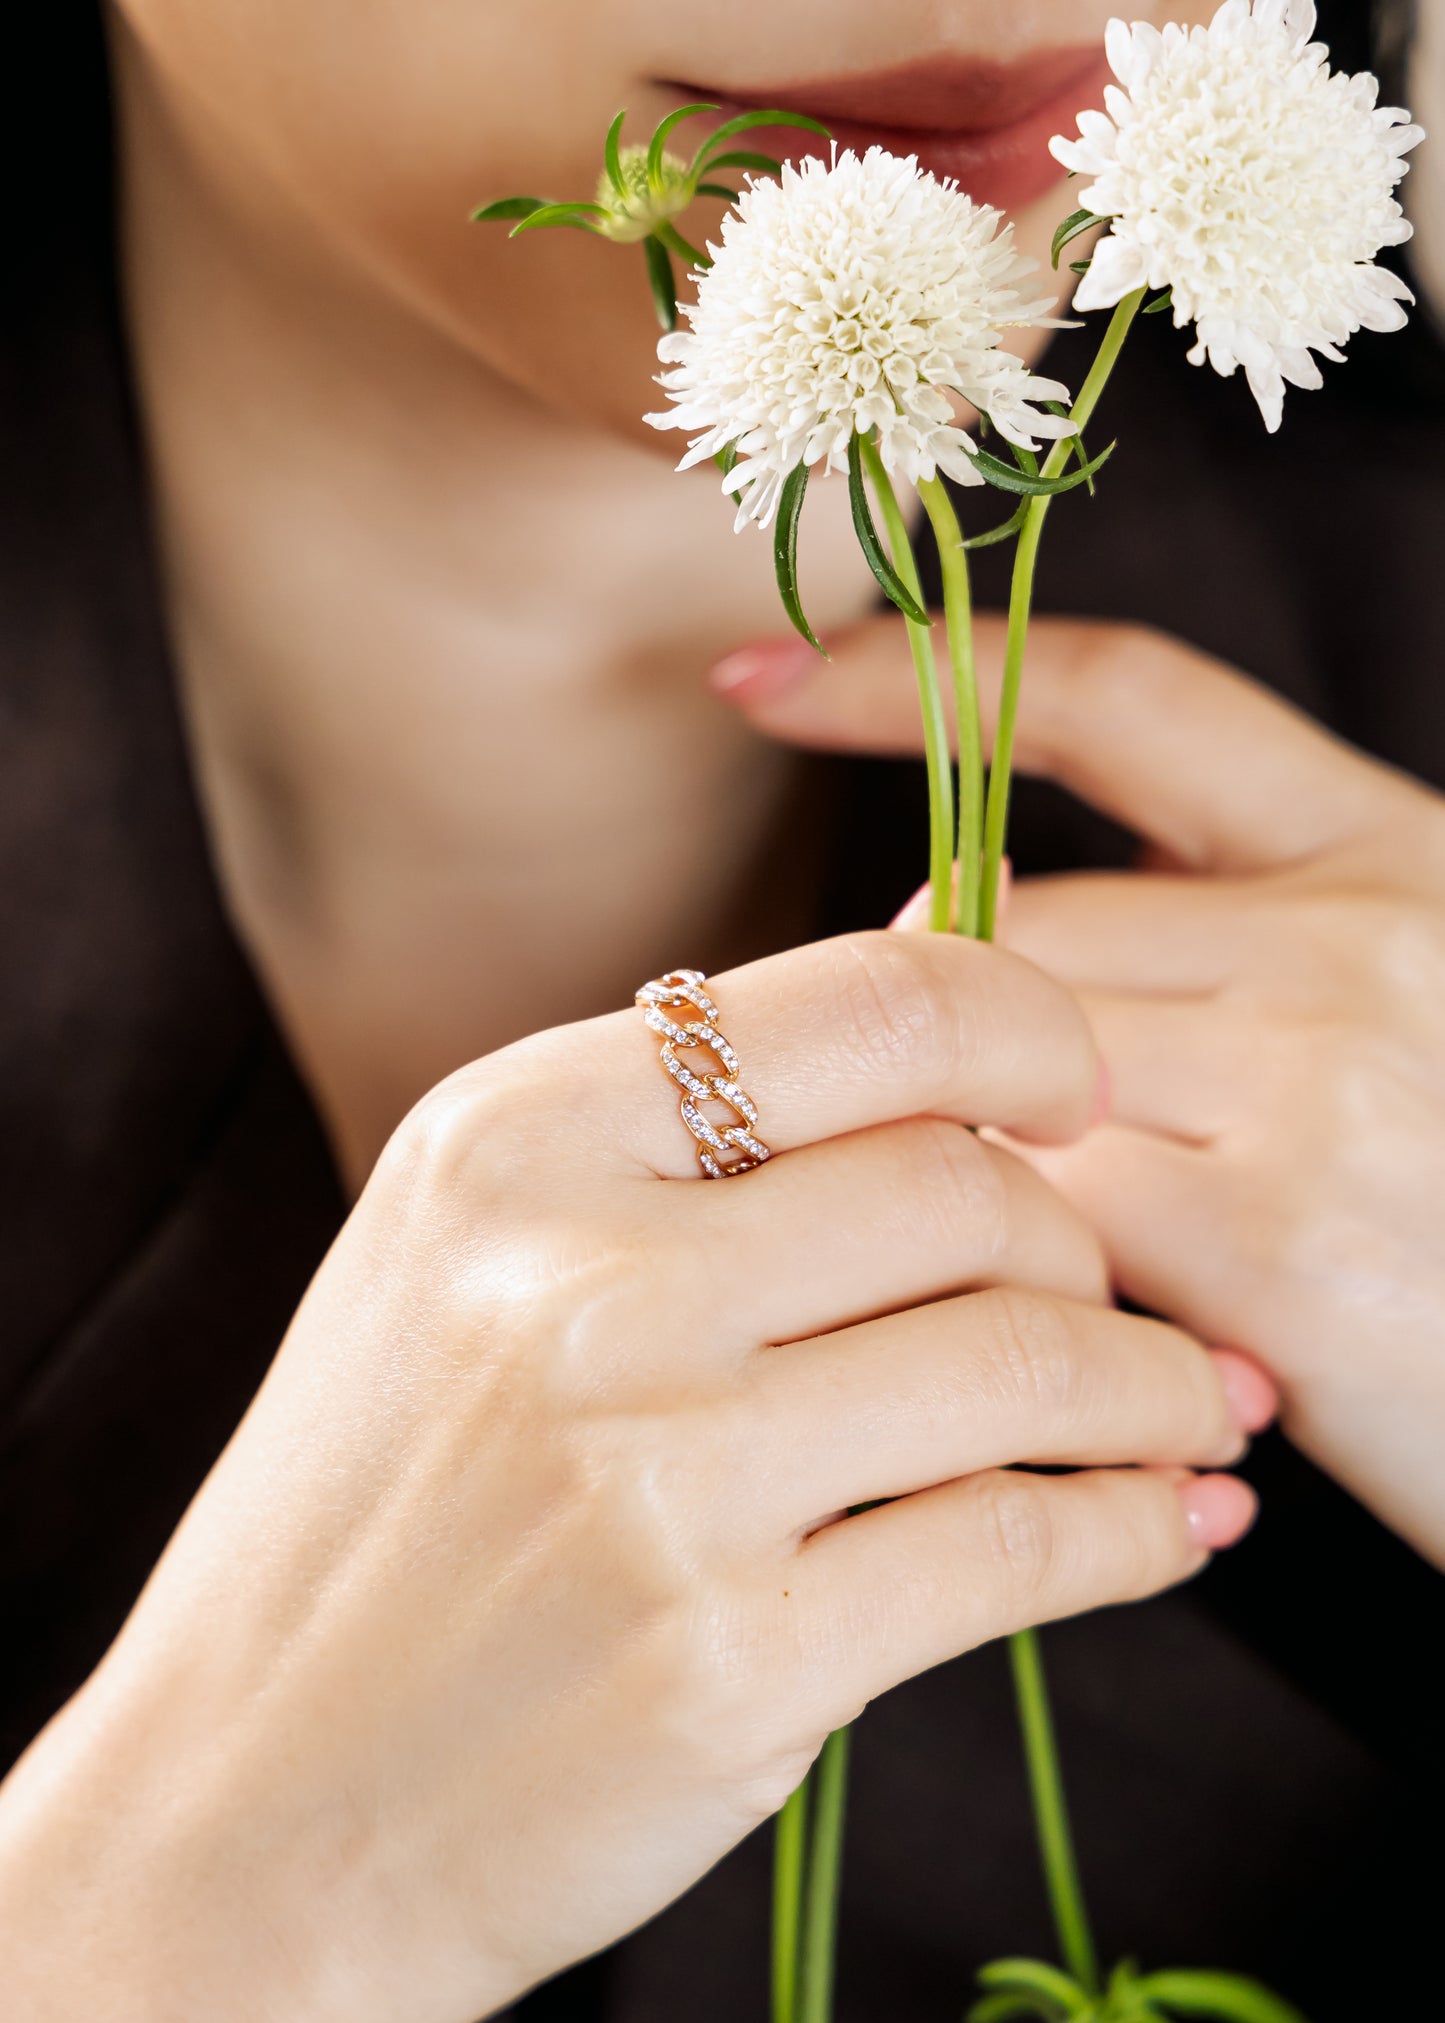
(1269, 999)
(523, 1592)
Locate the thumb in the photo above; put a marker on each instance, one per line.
(1182, 750)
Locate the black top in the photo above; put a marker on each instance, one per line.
(1246, 1758)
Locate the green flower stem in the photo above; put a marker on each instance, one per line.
(825, 1868)
(1051, 1812)
(1020, 606)
(935, 726)
(790, 1841)
(958, 610)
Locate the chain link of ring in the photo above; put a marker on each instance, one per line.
(723, 1150)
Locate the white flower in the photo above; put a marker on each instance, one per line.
(849, 296)
(1241, 172)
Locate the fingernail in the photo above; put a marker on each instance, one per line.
(1103, 1097)
(915, 912)
(1219, 1510)
(1252, 1398)
(763, 669)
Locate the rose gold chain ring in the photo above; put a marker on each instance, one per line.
(723, 1149)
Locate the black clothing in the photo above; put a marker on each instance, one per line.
(1247, 1759)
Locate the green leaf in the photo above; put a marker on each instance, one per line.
(1234, 1998)
(726, 460)
(1080, 266)
(717, 190)
(997, 534)
(508, 207)
(660, 279)
(1076, 222)
(558, 214)
(785, 551)
(746, 120)
(1001, 2008)
(659, 141)
(744, 158)
(1160, 303)
(612, 154)
(874, 553)
(1008, 479)
(1039, 1978)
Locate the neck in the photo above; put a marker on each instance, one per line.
(441, 649)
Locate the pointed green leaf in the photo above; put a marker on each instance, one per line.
(1008, 479)
(1039, 1978)
(659, 141)
(508, 207)
(558, 214)
(1080, 266)
(1160, 302)
(744, 158)
(612, 154)
(660, 279)
(1078, 221)
(1027, 462)
(997, 534)
(785, 551)
(874, 553)
(726, 460)
(1003, 2007)
(746, 120)
(1234, 1998)
(717, 190)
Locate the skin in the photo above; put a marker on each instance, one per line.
(442, 616)
(541, 1604)
(1268, 997)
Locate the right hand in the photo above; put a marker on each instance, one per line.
(522, 1593)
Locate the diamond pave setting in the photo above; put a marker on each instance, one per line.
(730, 1146)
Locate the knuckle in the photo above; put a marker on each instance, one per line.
(953, 1177)
(1112, 662)
(1018, 1536)
(896, 1005)
(475, 1122)
(1033, 1355)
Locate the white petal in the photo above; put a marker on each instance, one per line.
(1117, 268)
(1077, 156)
(1119, 48)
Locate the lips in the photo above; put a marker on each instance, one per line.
(986, 124)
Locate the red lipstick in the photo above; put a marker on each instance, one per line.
(984, 123)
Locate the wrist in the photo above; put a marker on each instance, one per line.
(122, 1894)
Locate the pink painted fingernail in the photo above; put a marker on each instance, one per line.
(1219, 1510)
(1103, 1097)
(1252, 1398)
(763, 669)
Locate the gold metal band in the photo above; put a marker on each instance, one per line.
(723, 1150)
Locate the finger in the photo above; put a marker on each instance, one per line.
(896, 1405)
(1176, 746)
(1128, 932)
(887, 1594)
(836, 1037)
(1182, 1067)
(882, 1219)
(1164, 1216)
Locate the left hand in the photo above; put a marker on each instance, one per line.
(1269, 997)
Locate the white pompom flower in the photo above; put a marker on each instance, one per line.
(852, 295)
(1238, 170)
